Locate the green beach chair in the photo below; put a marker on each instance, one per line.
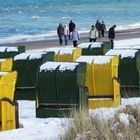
(60, 89)
(128, 72)
(26, 64)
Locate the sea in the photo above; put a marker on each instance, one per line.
(30, 20)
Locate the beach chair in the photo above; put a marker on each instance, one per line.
(26, 64)
(60, 89)
(99, 48)
(8, 107)
(85, 48)
(11, 51)
(128, 72)
(6, 64)
(101, 80)
(69, 54)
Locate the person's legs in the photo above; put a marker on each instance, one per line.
(60, 40)
(112, 43)
(75, 43)
(94, 40)
(102, 33)
(90, 40)
(66, 39)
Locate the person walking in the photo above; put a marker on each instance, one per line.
(71, 27)
(74, 36)
(103, 28)
(111, 35)
(98, 27)
(66, 34)
(93, 34)
(60, 33)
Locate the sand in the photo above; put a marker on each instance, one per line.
(120, 35)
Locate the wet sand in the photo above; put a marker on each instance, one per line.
(120, 35)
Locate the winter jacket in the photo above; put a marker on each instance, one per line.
(93, 33)
(74, 36)
(60, 30)
(71, 26)
(66, 31)
(111, 33)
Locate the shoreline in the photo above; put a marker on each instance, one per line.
(42, 44)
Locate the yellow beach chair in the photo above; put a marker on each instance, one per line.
(69, 54)
(6, 64)
(106, 86)
(8, 108)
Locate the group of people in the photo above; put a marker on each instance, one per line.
(66, 33)
(96, 31)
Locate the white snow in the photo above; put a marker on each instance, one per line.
(102, 59)
(21, 56)
(2, 49)
(87, 59)
(35, 55)
(2, 60)
(66, 51)
(53, 49)
(67, 66)
(124, 118)
(3, 73)
(96, 45)
(123, 53)
(49, 66)
(12, 49)
(35, 128)
(84, 45)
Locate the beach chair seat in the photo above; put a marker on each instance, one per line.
(26, 64)
(60, 89)
(8, 107)
(128, 72)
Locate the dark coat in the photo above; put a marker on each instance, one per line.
(60, 30)
(98, 26)
(111, 33)
(71, 26)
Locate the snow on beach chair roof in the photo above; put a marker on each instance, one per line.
(67, 66)
(3, 73)
(50, 66)
(64, 51)
(2, 49)
(96, 45)
(12, 49)
(9, 49)
(84, 45)
(31, 55)
(53, 49)
(87, 59)
(102, 59)
(2, 60)
(123, 53)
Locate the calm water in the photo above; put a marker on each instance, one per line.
(33, 17)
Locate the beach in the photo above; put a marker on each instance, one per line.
(43, 44)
